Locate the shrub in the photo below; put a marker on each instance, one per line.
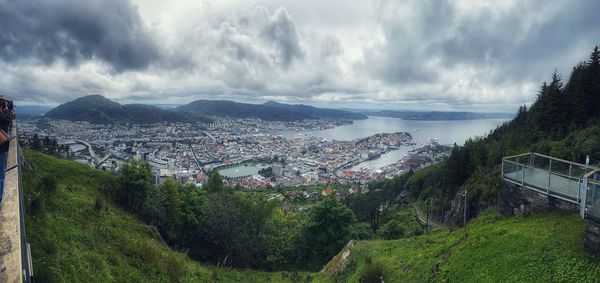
(373, 272)
(48, 183)
(37, 206)
(100, 204)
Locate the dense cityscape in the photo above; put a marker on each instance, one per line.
(248, 152)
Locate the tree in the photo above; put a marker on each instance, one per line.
(233, 228)
(215, 182)
(134, 181)
(326, 230)
(171, 209)
(36, 144)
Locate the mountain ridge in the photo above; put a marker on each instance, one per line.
(98, 109)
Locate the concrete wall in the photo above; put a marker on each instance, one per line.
(11, 246)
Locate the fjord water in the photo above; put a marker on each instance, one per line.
(447, 132)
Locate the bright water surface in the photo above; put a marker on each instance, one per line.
(446, 132)
(241, 170)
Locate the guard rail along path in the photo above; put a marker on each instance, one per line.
(15, 254)
(562, 179)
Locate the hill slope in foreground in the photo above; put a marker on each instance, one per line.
(544, 247)
(79, 236)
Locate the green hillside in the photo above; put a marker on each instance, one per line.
(77, 235)
(97, 109)
(539, 248)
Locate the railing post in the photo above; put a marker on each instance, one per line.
(522, 175)
(583, 193)
(531, 159)
(570, 168)
(549, 174)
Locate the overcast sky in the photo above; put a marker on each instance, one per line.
(445, 55)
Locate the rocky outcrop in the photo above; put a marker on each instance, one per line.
(516, 200)
(455, 216)
(591, 240)
(339, 262)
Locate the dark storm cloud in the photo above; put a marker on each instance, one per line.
(522, 42)
(427, 52)
(282, 31)
(75, 30)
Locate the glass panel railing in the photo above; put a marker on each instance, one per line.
(512, 171)
(540, 162)
(536, 177)
(564, 186)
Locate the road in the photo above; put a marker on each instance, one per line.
(434, 225)
(195, 157)
(89, 147)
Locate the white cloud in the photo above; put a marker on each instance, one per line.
(463, 55)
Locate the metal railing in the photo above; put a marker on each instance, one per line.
(562, 179)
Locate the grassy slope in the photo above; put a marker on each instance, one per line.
(540, 248)
(72, 241)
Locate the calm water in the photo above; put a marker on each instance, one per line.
(447, 132)
(242, 170)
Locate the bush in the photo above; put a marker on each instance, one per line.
(48, 183)
(373, 272)
(100, 204)
(37, 206)
(392, 230)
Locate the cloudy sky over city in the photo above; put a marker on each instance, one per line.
(447, 55)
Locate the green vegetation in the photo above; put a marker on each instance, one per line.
(270, 111)
(217, 225)
(539, 248)
(100, 110)
(317, 112)
(241, 110)
(563, 122)
(47, 145)
(79, 235)
(398, 222)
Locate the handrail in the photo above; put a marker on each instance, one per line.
(565, 161)
(583, 166)
(517, 155)
(591, 172)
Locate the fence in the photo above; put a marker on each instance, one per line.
(570, 181)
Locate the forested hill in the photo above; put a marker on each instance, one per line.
(440, 115)
(270, 111)
(564, 122)
(316, 112)
(100, 110)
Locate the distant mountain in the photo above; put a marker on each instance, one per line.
(100, 110)
(439, 115)
(270, 111)
(317, 112)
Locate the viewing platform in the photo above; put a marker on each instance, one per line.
(565, 180)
